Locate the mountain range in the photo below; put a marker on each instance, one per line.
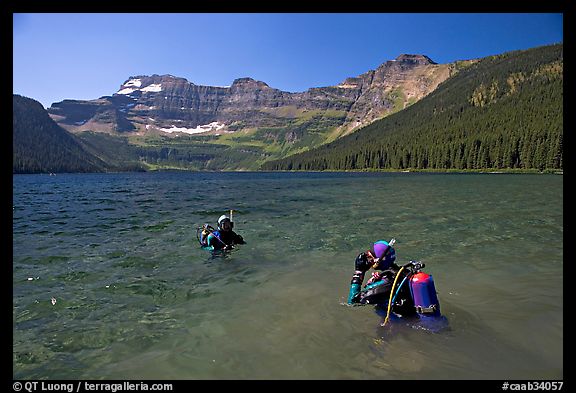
(172, 105)
(164, 121)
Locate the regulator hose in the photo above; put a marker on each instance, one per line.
(390, 299)
(416, 266)
(400, 286)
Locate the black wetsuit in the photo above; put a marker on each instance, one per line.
(378, 291)
(227, 239)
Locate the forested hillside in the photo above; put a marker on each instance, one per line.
(41, 146)
(505, 111)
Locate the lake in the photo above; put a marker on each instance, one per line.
(109, 281)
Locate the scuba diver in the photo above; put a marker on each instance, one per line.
(381, 258)
(224, 238)
(400, 292)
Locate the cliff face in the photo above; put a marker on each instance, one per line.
(392, 86)
(169, 104)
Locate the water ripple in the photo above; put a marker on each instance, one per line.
(135, 296)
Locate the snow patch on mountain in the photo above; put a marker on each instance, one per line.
(204, 128)
(154, 87)
(134, 85)
(126, 91)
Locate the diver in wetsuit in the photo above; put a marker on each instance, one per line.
(224, 238)
(377, 290)
(381, 257)
(396, 291)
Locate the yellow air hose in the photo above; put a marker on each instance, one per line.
(391, 294)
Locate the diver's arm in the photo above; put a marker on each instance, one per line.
(355, 287)
(214, 242)
(361, 266)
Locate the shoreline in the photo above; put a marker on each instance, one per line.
(438, 171)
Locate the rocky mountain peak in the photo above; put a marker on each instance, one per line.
(249, 83)
(149, 84)
(415, 59)
(170, 104)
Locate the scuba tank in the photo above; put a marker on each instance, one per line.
(424, 294)
(202, 234)
(426, 303)
(407, 291)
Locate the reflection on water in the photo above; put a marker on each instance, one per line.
(137, 298)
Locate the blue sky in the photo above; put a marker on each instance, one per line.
(89, 55)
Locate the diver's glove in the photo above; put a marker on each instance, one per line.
(362, 264)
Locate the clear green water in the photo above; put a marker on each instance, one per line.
(136, 298)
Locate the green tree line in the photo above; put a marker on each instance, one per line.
(39, 145)
(503, 112)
